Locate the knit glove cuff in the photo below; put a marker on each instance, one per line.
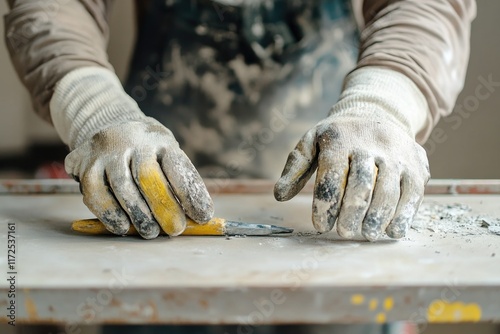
(88, 100)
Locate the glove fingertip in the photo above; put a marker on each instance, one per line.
(321, 223)
(155, 232)
(396, 233)
(203, 212)
(292, 181)
(118, 229)
(175, 227)
(282, 190)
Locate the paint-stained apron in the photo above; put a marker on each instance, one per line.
(240, 81)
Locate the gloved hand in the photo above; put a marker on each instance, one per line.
(371, 173)
(130, 167)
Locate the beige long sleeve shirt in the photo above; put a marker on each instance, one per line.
(426, 40)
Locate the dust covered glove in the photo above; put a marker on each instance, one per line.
(130, 167)
(371, 173)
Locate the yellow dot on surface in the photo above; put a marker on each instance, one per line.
(380, 318)
(357, 299)
(388, 303)
(373, 304)
(443, 311)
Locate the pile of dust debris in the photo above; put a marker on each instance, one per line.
(454, 219)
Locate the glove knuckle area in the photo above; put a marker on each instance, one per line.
(412, 171)
(110, 139)
(417, 162)
(132, 134)
(329, 135)
(413, 182)
(159, 134)
(80, 160)
(93, 180)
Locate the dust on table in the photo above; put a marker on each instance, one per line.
(455, 218)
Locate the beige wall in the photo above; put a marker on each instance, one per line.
(472, 150)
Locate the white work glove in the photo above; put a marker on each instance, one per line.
(371, 173)
(130, 167)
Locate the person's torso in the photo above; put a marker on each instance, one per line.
(240, 81)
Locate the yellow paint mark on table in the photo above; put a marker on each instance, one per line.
(388, 303)
(380, 318)
(381, 308)
(443, 311)
(357, 299)
(30, 306)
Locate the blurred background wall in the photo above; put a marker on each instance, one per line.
(468, 150)
(472, 149)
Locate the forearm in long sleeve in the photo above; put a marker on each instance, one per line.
(428, 41)
(48, 39)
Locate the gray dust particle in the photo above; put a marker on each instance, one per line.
(307, 234)
(493, 225)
